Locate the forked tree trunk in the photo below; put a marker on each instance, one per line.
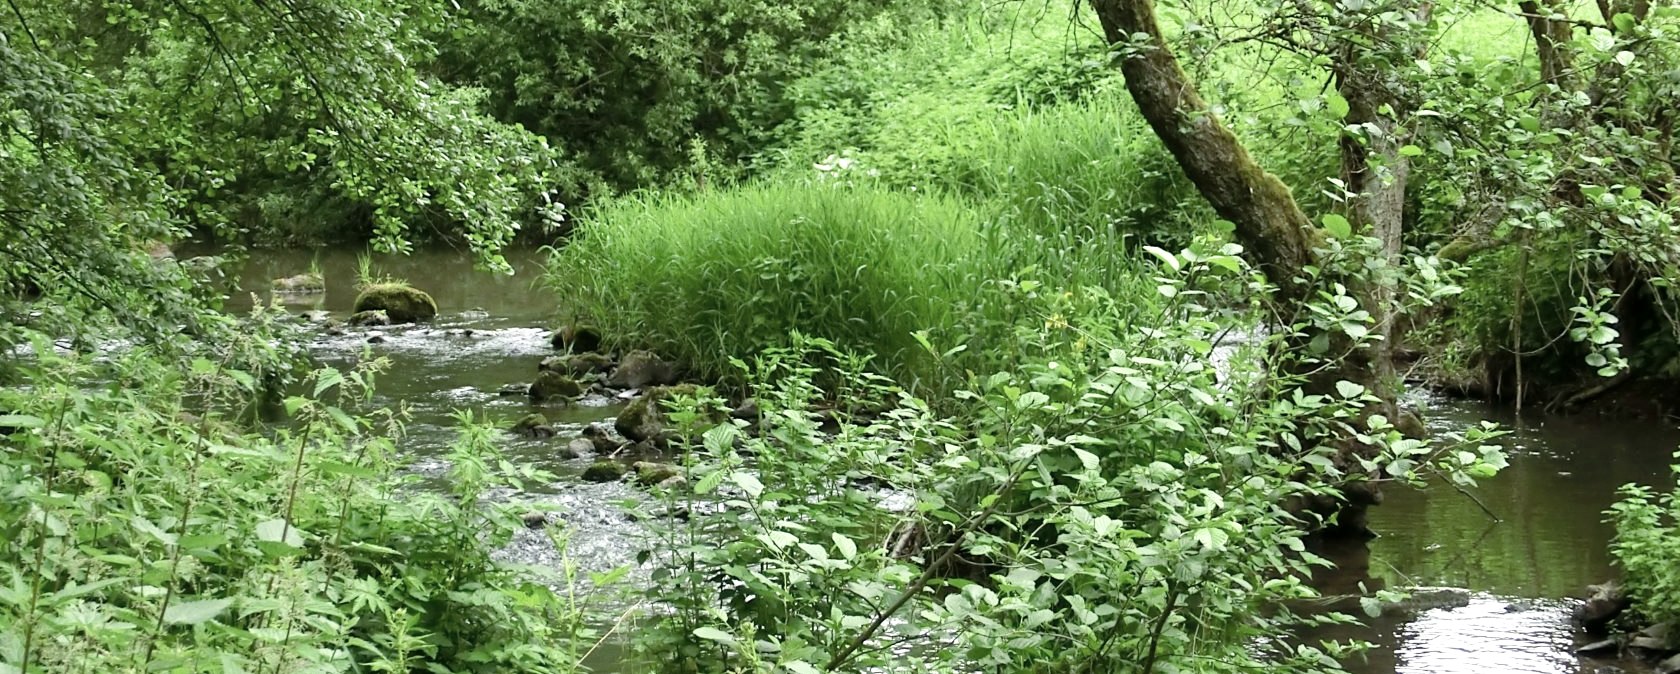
(1270, 225)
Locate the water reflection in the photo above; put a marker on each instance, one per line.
(1550, 542)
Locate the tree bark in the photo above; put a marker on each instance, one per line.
(1550, 38)
(1270, 225)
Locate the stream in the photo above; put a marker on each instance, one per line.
(1548, 544)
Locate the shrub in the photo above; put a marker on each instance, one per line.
(725, 274)
(1112, 504)
(1646, 543)
(143, 530)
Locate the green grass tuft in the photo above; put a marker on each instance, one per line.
(722, 274)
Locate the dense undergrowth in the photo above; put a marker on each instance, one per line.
(148, 528)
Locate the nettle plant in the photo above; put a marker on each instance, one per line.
(1647, 539)
(1116, 503)
(144, 530)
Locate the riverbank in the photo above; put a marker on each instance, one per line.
(1549, 541)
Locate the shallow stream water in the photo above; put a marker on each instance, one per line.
(1549, 541)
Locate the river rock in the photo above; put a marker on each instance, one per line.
(316, 316)
(605, 470)
(576, 338)
(551, 385)
(649, 473)
(1671, 665)
(640, 369)
(533, 426)
(601, 438)
(1659, 638)
(403, 303)
(302, 284)
(747, 410)
(376, 338)
(369, 318)
(1604, 647)
(1605, 604)
(576, 364)
(578, 447)
(643, 420)
(534, 520)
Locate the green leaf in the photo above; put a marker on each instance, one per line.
(1337, 225)
(1168, 258)
(1349, 389)
(715, 634)
(195, 612)
(1338, 106)
(801, 667)
(1625, 58)
(326, 379)
(1087, 459)
(848, 549)
(1624, 22)
(277, 531)
(21, 421)
(748, 483)
(1529, 123)
(709, 483)
(1410, 151)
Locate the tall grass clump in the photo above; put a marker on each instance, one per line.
(717, 275)
(1079, 187)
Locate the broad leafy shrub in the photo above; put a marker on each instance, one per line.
(726, 274)
(1646, 544)
(144, 531)
(1116, 503)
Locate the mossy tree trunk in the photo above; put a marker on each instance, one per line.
(1278, 236)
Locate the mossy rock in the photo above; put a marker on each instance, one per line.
(644, 420)
(550, 385)
(301, 284)
(533, 425)
(577, 364)
(372, 317)
(605, 470)
(403, 303)
(577, 338)
(649, 473)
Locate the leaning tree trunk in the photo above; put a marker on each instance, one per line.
(1270, 225)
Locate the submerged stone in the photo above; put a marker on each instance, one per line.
(403, 303)
(300, 284)
(578, 447)
(362, 319)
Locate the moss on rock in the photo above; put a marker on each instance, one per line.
(605, 470)
(369, 318)
(649, 473)
(533, 425)
(402, 302)
(550, 385)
